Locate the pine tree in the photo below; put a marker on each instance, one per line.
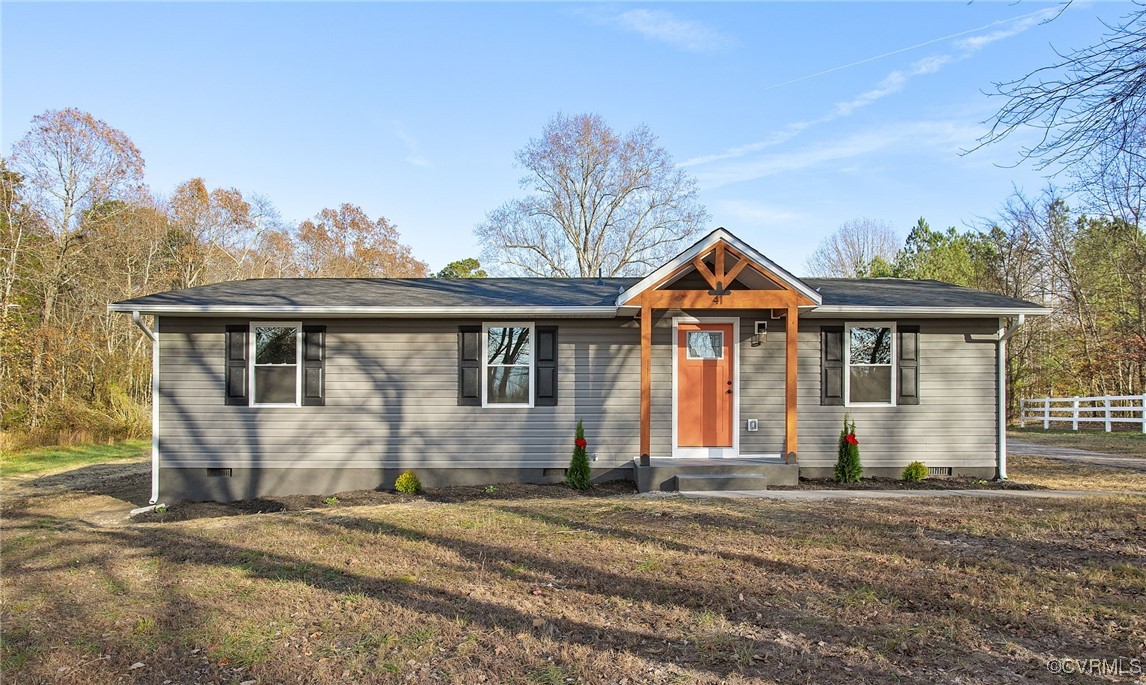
(848, 468)
(578, 475)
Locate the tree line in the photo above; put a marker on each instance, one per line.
(79, 229)
(1089, 268)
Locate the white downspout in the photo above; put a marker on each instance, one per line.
(153, 335)
(1001, 381)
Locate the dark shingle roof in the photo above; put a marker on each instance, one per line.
(446, 293)
(902, 292)
(394, 292)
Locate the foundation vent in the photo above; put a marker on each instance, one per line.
(219, 473)
(939, 470)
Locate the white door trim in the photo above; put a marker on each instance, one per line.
(709, 452)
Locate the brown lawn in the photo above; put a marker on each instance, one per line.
(557, 588)
(1058, 474)
(1124, 442)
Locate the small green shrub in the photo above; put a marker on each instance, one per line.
(578, 475)
(915, 472)
(490, 489)
(848, 467)
(408, 483)
(330, 500)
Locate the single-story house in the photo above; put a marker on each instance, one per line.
(720, 369)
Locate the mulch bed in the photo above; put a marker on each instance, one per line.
(955, 483)
(187, 510)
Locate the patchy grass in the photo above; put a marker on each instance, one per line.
(1058, 474)
(557, 589)
(41, 460)
(1122, 442)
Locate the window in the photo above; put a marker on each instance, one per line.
(704, 344)
(869, 355)
(275, 363)
(507, 355)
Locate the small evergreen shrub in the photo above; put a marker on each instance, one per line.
(915, 472)
(578, 476)
(848, 467)
(408, 483)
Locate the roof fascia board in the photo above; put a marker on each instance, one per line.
(395, 312)
(856, 310)
(700, 247)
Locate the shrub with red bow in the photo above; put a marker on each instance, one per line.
(848, 467)
(578, 475)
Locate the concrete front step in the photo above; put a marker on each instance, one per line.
(710, 482)
(666, 474)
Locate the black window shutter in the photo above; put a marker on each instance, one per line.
(237, 374)
(908, 380)
(545, 388)
(469, 365)
(831, 365)
(313, 366)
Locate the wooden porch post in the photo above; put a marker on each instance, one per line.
(790, 361)
(646, 378)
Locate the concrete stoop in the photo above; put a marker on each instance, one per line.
(714, 475)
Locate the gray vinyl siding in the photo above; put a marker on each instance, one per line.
(953, 424)
(391, 400)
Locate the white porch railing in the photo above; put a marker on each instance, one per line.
(1107, 410)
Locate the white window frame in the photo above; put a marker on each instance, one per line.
(297, 326)
(720, 348)
(848, 362)
(485, 403)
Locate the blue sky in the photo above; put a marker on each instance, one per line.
(414, 111)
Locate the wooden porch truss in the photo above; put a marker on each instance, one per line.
(721, 297)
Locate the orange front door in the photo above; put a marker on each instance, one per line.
(704, 391)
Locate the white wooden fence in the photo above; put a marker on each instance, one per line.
(1107, 410)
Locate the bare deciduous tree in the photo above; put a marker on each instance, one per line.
(71, 162)
(598, 202)
(1087, 105)
(858, 249)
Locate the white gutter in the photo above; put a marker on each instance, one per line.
(1001, 393)
(393, 312)
(137, 318)
(835, 309)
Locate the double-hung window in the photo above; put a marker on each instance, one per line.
(870, 353)
(276, 363)
(507, 355)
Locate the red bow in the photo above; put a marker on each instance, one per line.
(580, 442)
(850, 438)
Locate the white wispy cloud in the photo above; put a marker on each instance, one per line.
(413, 149)
(945, 136)
(975, 43)
(741, 212)
(663, 27)
(894, 82)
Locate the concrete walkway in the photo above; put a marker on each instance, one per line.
(1074, 455)
(821, 495)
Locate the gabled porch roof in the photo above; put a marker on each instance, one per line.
(721, 241)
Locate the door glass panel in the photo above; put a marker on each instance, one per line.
(705, 344)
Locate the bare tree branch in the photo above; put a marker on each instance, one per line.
(597, 202)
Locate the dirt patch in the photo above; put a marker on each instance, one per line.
(926, 484)
(187, 510)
